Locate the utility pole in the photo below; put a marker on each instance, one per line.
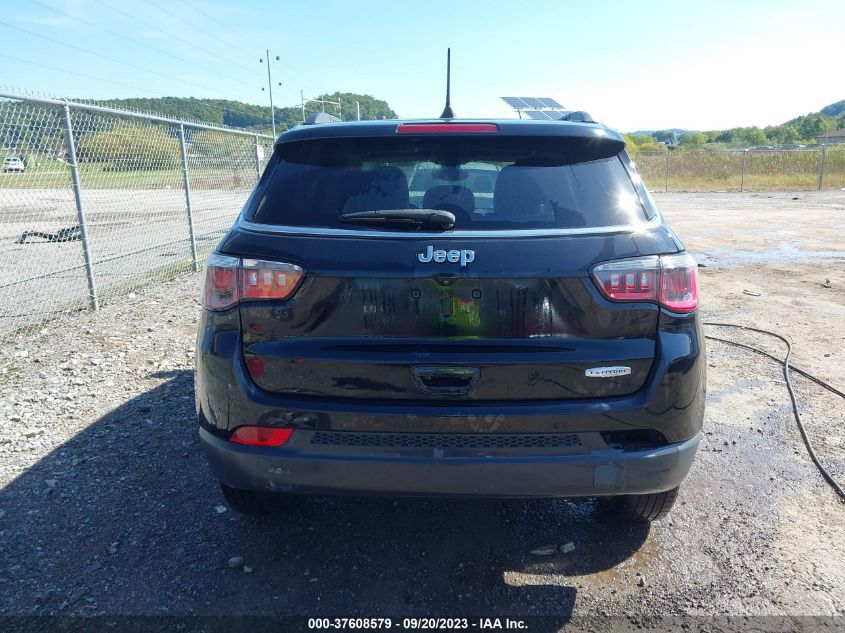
(322, 101)
(270, 88)
(357, 111)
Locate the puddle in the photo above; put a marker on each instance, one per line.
(784, 253)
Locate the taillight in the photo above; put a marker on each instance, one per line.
(672, 280)
(222, 289)
(679, 282)
(229, 280)
(268, 280)
(260, 436)
(629, 279)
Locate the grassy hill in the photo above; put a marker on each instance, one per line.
(800, 130)
(253, 117)
(834, 109)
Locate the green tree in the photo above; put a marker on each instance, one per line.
(725, 137)
(781, 134)
(693, 139)
(811, 126)
(130, 147)
(254, 117)
(750, 136)
(633, 142)
(640, 139)
(651, 146)
(660, 136)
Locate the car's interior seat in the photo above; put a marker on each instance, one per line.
(518, 197)
(375, 189)
(459, 200)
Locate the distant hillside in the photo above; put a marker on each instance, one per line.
(834, 109)
(253, 117)
(800, 130)
(677, 131)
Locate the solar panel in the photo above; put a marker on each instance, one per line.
(515, 102)
(551, 103)
(533, 102)
(537, 115)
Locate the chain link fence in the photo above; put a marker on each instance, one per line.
(810, 169)
(96, 202)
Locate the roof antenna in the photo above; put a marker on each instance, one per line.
(447, 111)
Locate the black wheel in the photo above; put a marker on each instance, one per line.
(639, 508)
(254, 502)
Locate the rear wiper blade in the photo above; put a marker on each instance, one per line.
(408, 218)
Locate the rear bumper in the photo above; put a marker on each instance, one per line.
(302, 467)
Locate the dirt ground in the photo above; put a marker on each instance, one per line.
(133, 233)
(107, 507)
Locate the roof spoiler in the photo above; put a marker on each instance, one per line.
(321, 117)
(577, 116)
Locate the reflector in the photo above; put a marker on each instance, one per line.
(260, 436)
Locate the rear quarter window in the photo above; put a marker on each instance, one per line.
(487, 183)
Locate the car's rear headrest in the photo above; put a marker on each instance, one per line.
(379, 188)
(459, 200)
(516, 194)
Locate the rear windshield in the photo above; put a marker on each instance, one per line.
(488, 183)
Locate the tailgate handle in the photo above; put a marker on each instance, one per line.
(446, 380)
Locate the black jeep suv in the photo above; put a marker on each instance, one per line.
(451, 308)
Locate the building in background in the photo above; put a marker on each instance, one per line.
(831, 138)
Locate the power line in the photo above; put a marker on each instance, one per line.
(225, 27)
(180, 18)
(192, 6)
(168, 54)
(116, 61)
(78, 74)
(117, 83)
(176, 37)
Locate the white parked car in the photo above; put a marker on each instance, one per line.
(13, 163)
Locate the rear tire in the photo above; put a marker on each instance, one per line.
(641, 508)
(254, 502)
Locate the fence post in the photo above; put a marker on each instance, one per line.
(666, 182)
(257, 159)
(93, 302)
(186, 179)
(821, 167)
(742, 175)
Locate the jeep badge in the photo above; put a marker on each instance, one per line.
(464, 256)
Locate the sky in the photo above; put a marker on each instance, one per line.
(632, 65)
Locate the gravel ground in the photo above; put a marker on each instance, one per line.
(133, 233)
(107, 506)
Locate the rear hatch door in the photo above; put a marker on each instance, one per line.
(500, 307)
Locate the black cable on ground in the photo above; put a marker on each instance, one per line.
(786, 367)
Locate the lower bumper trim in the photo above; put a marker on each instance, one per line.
(520, 474)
